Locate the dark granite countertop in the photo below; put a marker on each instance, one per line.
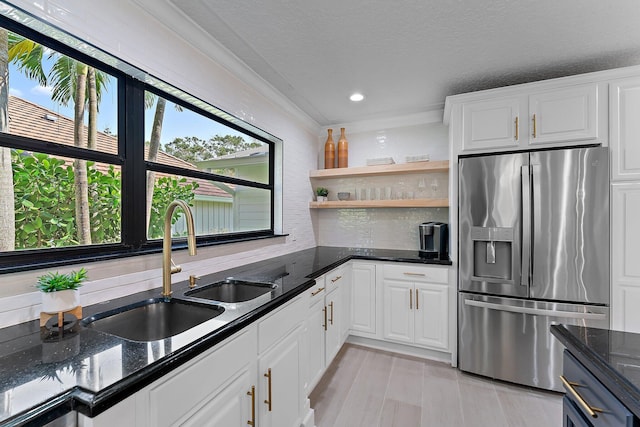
(45, 376)
(613, 357)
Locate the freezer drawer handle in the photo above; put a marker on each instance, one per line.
(591, 410)
(536, 311)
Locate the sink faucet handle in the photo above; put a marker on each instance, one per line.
(175, 268)
(192, 281)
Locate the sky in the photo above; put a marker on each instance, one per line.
(176, 124)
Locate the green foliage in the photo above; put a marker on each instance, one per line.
(52, 282)
(44, 201)
(45, 208)
(321, 191)
(193, 149)
(165, 191)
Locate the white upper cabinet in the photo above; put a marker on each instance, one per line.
(564, 115)
(492, 124)
(559, 116)
(624, 125)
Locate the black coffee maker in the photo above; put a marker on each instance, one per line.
(434, 240)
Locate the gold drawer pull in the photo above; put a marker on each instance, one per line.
(535, 127)
(313, 294)
(252, 393)
(570, 388)
(516, 128)
(268, 401)
(335, 279)
(414, 274)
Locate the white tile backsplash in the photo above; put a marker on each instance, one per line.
(383, 228)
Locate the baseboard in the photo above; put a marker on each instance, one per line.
(407, 350)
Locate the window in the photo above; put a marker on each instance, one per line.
(93, 150)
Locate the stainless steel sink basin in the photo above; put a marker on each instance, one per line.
(232, 290)
(153, 319)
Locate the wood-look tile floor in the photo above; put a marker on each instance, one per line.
(365, 387)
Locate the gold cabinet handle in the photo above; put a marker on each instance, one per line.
(406, 273)
(268, 401)
(335, 279)
(410, 299)
(517, 128)
(417, 304)
(331, 316)
(570, 388)
(535, 127)
(325, 317)
(313, 294)
(252, 393)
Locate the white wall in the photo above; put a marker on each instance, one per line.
(388, 228)
(189, 60)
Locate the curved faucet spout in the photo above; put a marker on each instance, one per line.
(168, 268)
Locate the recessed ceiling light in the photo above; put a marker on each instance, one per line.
(356, 97)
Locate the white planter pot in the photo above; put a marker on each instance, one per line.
(55, 302)
(321, 198)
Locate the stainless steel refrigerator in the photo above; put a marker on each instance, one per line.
(533, 251)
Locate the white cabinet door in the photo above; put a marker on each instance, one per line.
(333, 336)
(315, 331)
(398, 311)
(345, 311)
(564, 115)
(432, 315)
(624, 126)
(363, 298)
(232, 406)
(625, 268)
(281, 390)
(495, 123)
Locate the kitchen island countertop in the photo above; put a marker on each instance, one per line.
(45, 376)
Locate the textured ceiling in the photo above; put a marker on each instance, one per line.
(407, 56)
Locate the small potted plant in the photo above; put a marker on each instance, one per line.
(60, 291)
(321, 194)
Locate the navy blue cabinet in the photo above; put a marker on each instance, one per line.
(588, 403)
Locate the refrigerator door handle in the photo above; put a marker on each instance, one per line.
(535, 311)
(526, 225)
(536, 226)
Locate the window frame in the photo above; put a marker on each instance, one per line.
(131, 159)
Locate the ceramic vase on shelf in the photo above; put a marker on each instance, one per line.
(329, 151)
(343, 150)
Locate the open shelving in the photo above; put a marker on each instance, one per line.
(381, 170)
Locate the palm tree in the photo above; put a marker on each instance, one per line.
(71, 80)
(7, 202)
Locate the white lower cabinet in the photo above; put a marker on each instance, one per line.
(333, 333)
(281, 393)
(363, 299)
(416, 309)
(251, 378)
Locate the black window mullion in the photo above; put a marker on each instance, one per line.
(198, 174)
(131, 141)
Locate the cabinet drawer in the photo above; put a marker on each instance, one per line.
(595, 395)
(317, 292)
(416, 273)
(335, 278)
(278, 324)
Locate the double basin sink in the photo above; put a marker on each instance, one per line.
(159, 318)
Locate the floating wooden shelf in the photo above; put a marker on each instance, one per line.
(408, 203)
(415, 167)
